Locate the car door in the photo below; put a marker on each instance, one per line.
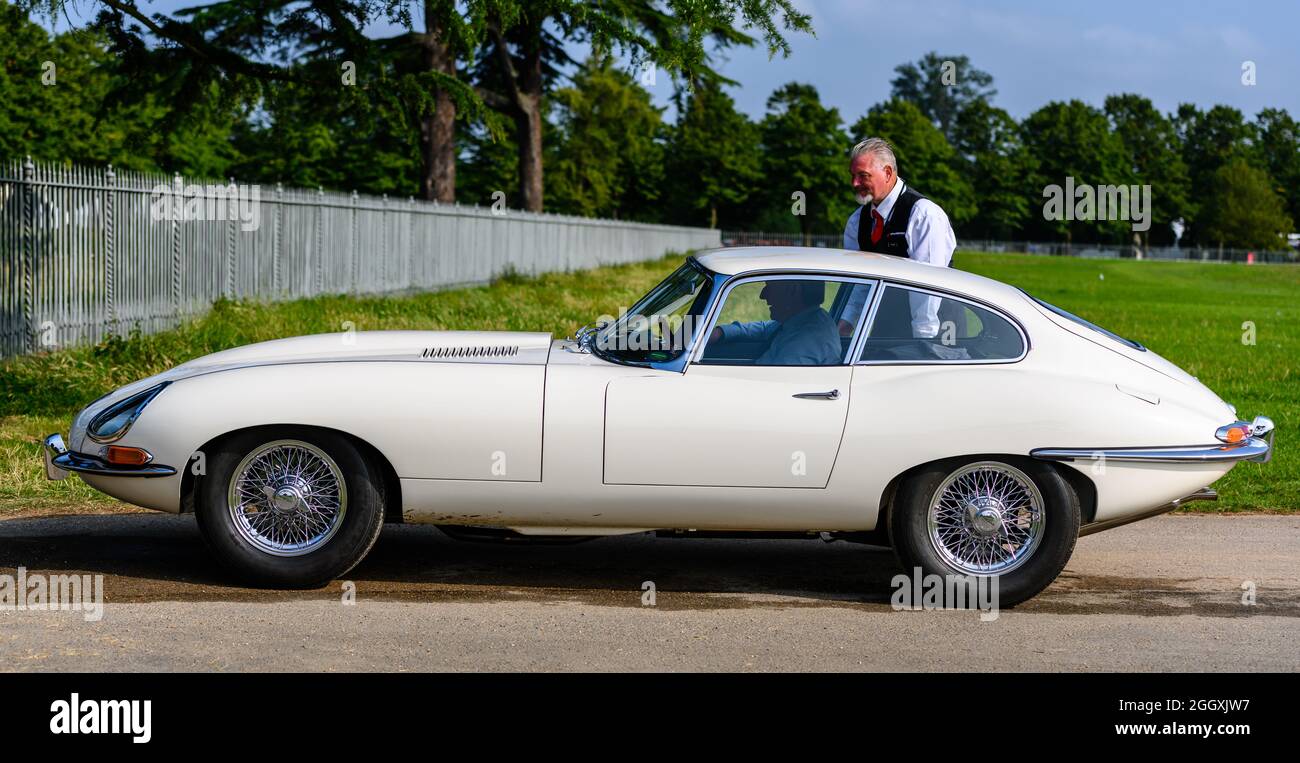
(763, 405)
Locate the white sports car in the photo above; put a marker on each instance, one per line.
(756, 392)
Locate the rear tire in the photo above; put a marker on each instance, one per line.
(290, 507)
(1016, 519)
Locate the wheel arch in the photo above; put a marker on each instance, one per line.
(392, 486)
(1079, 482)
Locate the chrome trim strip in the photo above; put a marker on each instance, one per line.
(864, 323)
(59, 459)
(146, 396)
(1204, 494)
(1254, 448)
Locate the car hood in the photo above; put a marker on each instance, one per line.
(512, 347)
(515, 347)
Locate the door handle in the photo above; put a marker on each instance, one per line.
(832, 395)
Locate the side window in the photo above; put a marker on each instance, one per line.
(915, 326)
(786, 322)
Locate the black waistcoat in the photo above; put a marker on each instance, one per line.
(894, 238)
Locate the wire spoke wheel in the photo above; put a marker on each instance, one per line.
(287, 498)
(986, 518)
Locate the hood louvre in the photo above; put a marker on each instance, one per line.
(479, 351)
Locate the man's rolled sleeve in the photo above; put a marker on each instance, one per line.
(930, 238)
(851, 230)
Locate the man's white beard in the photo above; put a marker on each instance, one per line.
(865, 199)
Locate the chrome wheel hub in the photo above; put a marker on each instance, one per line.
(287, 498)
(986, 518)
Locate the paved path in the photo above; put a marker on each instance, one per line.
(1164, 594)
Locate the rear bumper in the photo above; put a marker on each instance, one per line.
(59, 461)
(1253, 449)
(1256, 448)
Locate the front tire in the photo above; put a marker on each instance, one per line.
(290, 507)
(1016, 519)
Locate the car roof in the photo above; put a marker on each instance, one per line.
(741, 260)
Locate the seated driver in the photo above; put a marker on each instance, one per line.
(800, 333)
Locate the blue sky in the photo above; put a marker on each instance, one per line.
(1172, 52)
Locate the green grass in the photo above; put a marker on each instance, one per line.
(1190, 313)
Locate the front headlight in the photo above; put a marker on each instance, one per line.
(111, 423)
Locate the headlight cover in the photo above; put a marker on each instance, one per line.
(113, 422)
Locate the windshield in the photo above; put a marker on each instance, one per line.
(1089, 324)
(659, 327)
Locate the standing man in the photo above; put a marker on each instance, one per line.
(899, 222)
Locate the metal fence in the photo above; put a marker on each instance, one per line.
(759, 238)
(86, 253)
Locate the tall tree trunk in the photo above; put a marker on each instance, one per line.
(523, 101)
(438, 130)
(528, 126)
(531, 123)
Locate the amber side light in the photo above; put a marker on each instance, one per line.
(120, 455)
(1234, 434)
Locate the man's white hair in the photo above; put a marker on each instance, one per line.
(878, 148)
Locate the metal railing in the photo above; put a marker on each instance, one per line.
(86, 253)
(1060, 248)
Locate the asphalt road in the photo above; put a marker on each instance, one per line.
(1164, 594)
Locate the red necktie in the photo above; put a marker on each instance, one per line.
(877, 226)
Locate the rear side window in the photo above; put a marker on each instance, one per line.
(916, 326)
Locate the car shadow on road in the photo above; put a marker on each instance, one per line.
(158, 557)
(155, 557)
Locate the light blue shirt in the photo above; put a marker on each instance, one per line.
(810, 338)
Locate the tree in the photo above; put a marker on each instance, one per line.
(1278, 147)
(1074, 140)
(989, 144)
(805, 150)
(925, 158)
(941, 87)
(606, 159)
(1209, 140)
(714, 159)
(55, 106)
(1246, 213)
(1152, 152)
(669, 35)
(240, 47)
(354, 142)
(237, 51)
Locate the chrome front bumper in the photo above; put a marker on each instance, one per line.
(1258, 447)
(59, 461)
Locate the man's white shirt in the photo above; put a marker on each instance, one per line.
(930, 239)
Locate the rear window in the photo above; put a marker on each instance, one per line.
(1089, 324)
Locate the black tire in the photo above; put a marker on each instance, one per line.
(349, 542)
(910, 533)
